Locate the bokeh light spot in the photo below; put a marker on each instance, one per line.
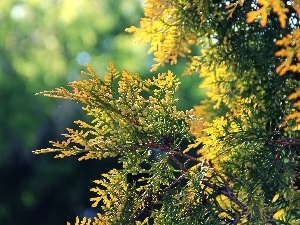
(83, 57)
(18, 12)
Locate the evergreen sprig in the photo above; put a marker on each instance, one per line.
(247, 171)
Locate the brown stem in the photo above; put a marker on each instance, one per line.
(156, 197)
(187, 156)
(283, 143)
(238, 218)
(179, 164)
(225, 191)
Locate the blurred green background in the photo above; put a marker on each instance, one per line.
(43, 45)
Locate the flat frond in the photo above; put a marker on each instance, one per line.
(290, 52)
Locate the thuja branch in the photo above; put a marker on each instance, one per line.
(206, 181)
(130, 126)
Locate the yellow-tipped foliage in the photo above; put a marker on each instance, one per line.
(277, 6)
(245, 132)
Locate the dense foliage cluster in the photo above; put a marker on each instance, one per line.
(246, 132)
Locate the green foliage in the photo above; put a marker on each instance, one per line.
(123, 119)
(246, 133)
